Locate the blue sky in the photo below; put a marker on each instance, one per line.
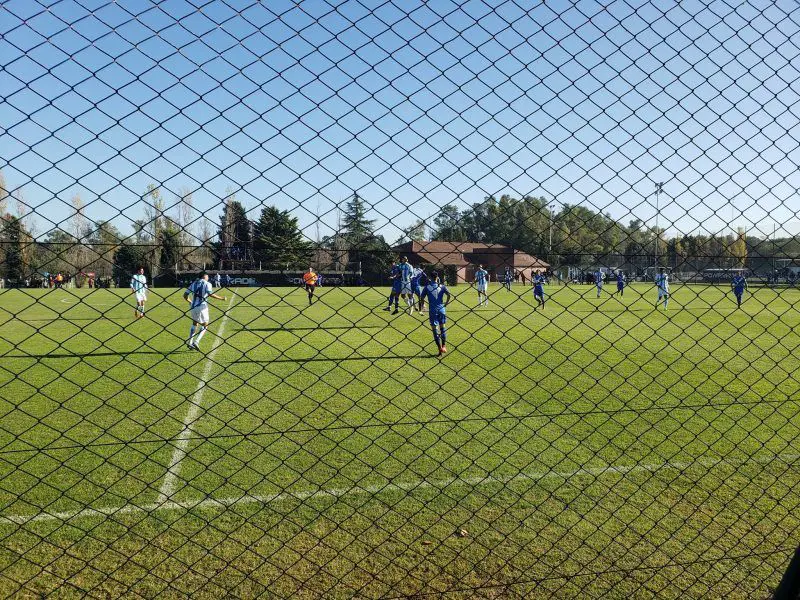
(413, 105)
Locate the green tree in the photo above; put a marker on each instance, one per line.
(365, 249)
(447, 225)
(103, 241)
(235, 241)
(737, 249)
(278, 241)
(357, 227)
(414, 232)
(170, 245)
(12, 240)
(128, 258)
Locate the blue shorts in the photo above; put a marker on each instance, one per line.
(397, 285)
(538, 291)
(738, 292)
(437, 318)
(620, 285)
(418, 290)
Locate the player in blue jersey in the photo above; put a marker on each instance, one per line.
(482, 283)
(198, 294)
(662, 283)
(422, 282)
(598, 281)
(538, 289)
(436, 292)
(621, 283)
(739, 285)
(508, 277)
(394, 294)
(405, 273)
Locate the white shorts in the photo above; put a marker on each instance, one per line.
(141, 297)
(662, 293)
(405, 289)
(199, 314)
(482, 287)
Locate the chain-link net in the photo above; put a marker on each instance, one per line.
(501, 298)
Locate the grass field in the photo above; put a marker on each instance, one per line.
(598, 447)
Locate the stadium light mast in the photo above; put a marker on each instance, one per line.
(659, 189)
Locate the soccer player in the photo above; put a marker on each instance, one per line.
(310, 283)
(598, 281)
(217, 280)
(739, 285)
(538, 289)
(436, 293)
(394, 294)
(415, 283)
(662, 283)
(621, 283)
(200, 291)
(481, 279)
(508, 277)
(139, 289)
(422, 282)
(405, 272)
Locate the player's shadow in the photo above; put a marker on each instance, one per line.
(313, 328)
(86, 354)
(326, 359)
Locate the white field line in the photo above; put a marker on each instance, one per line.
(373, 490)
(192, 415)
(90, 305)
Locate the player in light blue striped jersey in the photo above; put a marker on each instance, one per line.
(662, 283)
(139, 289)
(198, 294)
(405, 273)
(598, 281)
(482, 283)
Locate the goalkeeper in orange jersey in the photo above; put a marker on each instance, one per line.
(310, 281)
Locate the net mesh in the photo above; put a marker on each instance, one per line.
(501, 298)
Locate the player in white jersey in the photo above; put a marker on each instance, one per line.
(139, 289)
(662, 283)
(198, 294)
(482, 282)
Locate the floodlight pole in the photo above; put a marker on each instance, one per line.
(659, 189)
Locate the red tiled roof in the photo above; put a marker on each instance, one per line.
(462, 254)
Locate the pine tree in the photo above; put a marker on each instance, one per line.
(278, 241)
(11, 236)
(170, 249)
(235, 241)
(358, 229)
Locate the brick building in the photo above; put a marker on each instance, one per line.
(464, 258)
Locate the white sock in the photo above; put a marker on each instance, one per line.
(201, 334)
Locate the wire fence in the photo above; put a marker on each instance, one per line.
(399, 299)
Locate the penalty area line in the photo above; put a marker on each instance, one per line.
(377, 489)
(192, 415)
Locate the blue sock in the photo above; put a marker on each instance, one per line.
(444, 336)
(191, 332)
